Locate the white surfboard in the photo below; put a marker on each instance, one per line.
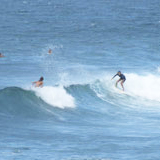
(120, 90)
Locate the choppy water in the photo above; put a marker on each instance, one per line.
(79, 114)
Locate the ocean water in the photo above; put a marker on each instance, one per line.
(79, 114)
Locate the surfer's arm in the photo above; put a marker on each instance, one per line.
(114, 76)
(34, 83)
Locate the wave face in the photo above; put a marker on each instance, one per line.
(34, 101)
(142, 89)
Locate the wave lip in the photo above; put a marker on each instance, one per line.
(55, 96)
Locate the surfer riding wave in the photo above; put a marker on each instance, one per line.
(122, 79)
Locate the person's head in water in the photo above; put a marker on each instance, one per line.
(119, 72)
(1, 55)
(41, 79)
(49, 51)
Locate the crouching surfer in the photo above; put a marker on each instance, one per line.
(122, 79)
(38, 83)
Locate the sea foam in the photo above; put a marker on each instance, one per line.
(146, 86)
(55, 96)
(137, 86)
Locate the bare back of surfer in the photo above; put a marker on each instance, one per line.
(38, 83)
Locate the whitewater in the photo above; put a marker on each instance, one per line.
(79, 114)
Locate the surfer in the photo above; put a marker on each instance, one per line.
(1, 55)
(49, 51)
(38, 83)
(122, 79)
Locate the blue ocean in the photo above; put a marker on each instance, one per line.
(79, 114)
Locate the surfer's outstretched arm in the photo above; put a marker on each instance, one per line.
(114, 76)
(33, 82)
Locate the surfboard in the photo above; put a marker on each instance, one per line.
(120, 90)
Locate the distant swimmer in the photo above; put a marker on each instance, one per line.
(122, 78)
(38, 83)
(1, 55)
(50, 51)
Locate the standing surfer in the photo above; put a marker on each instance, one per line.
(122, 79)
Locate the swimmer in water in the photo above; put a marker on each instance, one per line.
(122, 79)
(49, 51)
(1, 55)
(38, 83)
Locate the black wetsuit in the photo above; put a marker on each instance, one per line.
(122, 77)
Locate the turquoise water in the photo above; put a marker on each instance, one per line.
(79, 114)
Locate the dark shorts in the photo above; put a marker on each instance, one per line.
(123, 79)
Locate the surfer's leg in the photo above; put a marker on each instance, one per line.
(117, 82)
(122, 84)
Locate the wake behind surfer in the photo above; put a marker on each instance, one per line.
(38, 83)
(122, 79)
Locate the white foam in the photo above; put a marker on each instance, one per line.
(146, 86)
(55, 96)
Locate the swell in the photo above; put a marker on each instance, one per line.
(19, 102)
(141, 90)
(25, 103)
(96, 96)
(44, 102)
(49, 101)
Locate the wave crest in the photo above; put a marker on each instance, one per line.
(34, 102)
(139, 89)
(55, 96)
